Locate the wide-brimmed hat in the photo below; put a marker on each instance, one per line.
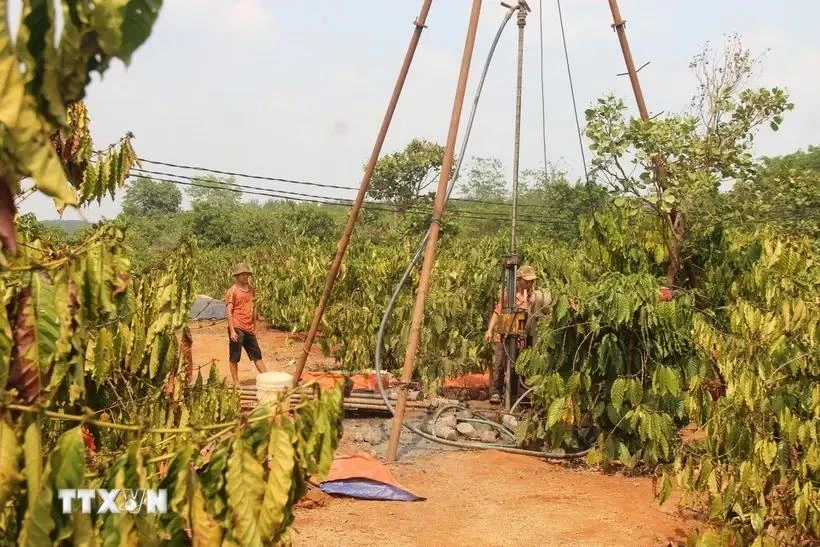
(241, 268)
(527, 273)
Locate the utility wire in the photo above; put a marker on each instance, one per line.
(245, 175)
(328, 200)
(572, 93)
(463, 200)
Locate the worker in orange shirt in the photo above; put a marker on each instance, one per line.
(242, 317)
(536, 302)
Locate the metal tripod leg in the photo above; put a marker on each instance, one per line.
(510, 377)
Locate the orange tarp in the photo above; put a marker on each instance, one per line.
(361, 465)
(361, 381)
(470, 381)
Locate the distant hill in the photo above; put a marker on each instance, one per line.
(69, 226)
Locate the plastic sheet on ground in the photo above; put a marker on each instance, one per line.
(206, 308)
(359, 382)
(469, 381)
(362, 476)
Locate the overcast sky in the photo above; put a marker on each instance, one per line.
(298, 89)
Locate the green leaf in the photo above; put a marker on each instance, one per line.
(763, 541)
(617, 392)
(711, 539)
(27, 140)
(768, 451)
(6, 344)
(332, 411)
(245, 487)
(282, 456)
(65, 469)
(666, 489)
(33, 454)
(556, 411)
(205, 529)
(635, 392)
(175, 483)
(36, 47)
(757, 517)
(9, 460)
(82, 530)
(103, 356)
(801, 509)
(712, 482)
(625, 457)
(47, 321)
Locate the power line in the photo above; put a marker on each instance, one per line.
(301, 182)
(328, 200)
(572, 93)
(378, 206)
(245, 175)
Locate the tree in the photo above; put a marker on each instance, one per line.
(698, 151)
(214, 191)
(781, 194)
(485, 181)
(215, 207)
(808, 160)
(145, 197)
(401, 177)
(557, 203)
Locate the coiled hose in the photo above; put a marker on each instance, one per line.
(402, 282)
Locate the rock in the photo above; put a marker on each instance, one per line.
(489, 436)
(375, 436)
(509, 422)
(445, 432)
(480, 428)
(465, 429)
(448, 421)
(464, 415)
(313, 499)
(427, 427)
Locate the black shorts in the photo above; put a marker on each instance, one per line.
(247, 341)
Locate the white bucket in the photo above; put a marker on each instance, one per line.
(270, 386)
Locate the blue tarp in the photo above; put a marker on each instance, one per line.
(367, 490)
(206, 308)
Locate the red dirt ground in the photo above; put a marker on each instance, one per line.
(494, 498)
(279, 350)
(473, 498)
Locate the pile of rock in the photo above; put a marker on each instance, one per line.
(463, 426)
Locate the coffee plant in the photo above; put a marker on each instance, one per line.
(613, 356)
(97, 387)
(659, 318)
(95, 377)
(758, 467)
(291, 275)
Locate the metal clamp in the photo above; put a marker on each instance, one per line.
(512, 259)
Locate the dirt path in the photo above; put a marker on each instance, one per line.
(494, 498)
(279, 350)
(473, 498)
